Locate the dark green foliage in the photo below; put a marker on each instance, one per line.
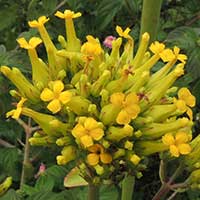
(179, 25)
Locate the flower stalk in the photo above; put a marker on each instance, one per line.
(150, 18)
(128, 187)
(93, 192)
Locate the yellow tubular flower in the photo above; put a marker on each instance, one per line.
(185, 101)
(124, 33)
(68, 14)
(73, 43)
(178, 144)
(32, 44)
(92, 47)
(55, 96)
(87, 130)
(98, 153)
(181, 57)
(15, 113)
(41, 21)
(157, 47)
(128, 104)
(39, 68)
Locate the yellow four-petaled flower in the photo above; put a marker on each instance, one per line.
(87, 130)
(98, 154)
(55, 96)
(68, 14)
(178, 144)
(185, 101)
(128, 104)
(15, 113)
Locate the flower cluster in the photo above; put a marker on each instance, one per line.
(105, 109)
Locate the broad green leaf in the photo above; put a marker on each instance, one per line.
(104, 14)
(196, 92)
(109, 192)
(184, 37)
(10, 195)
(8, 16)
(9, 161)
(45, 183)
(73, 179)
(49, 6)
(193, 65)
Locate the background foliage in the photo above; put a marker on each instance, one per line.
(179, 25)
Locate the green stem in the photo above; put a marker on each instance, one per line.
(26, 161)
(93, 192)
(150, 18)
(166, 187)
(128, 187)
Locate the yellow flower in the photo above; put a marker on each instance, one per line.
(32, 44)
(128, 104)
(135, 159)
(98, 153)
(178, 144)
(41, 21)
(68, 14)
(15, 113)
(124, 33)
(181, 57)
(157, 47)
(87, 130)
(185, 101)
(92, 47)
(55, 96)
(169, 55)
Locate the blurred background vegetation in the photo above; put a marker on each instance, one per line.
(179, 25)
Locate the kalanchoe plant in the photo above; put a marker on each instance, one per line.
(105, 110)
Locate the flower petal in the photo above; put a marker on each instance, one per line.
(86, 140)
(91, 123)
(65, 97)
(181, 137)
(47, 95)
(93, 159)
(117, 99)
(131, 99)
(17, 113)
(78, 131)
(97, 133)
(168, 139)
(58, 86)
(95, 148)
(132, 110)
(54, 106)
(105, 158)
(184, 149)
(123, 117)
(174, 150)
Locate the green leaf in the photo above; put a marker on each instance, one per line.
(49, 5)
(45, 183)
(196, 91)
(184, 37)
(28, 190)
(8, 16)
(73, 179)
(9, 161)
(42, 196)
(193, 65)
(109, 192)
(10, 195)
(106, 11)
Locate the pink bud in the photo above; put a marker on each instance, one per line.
(108, 41)
(41, 170)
